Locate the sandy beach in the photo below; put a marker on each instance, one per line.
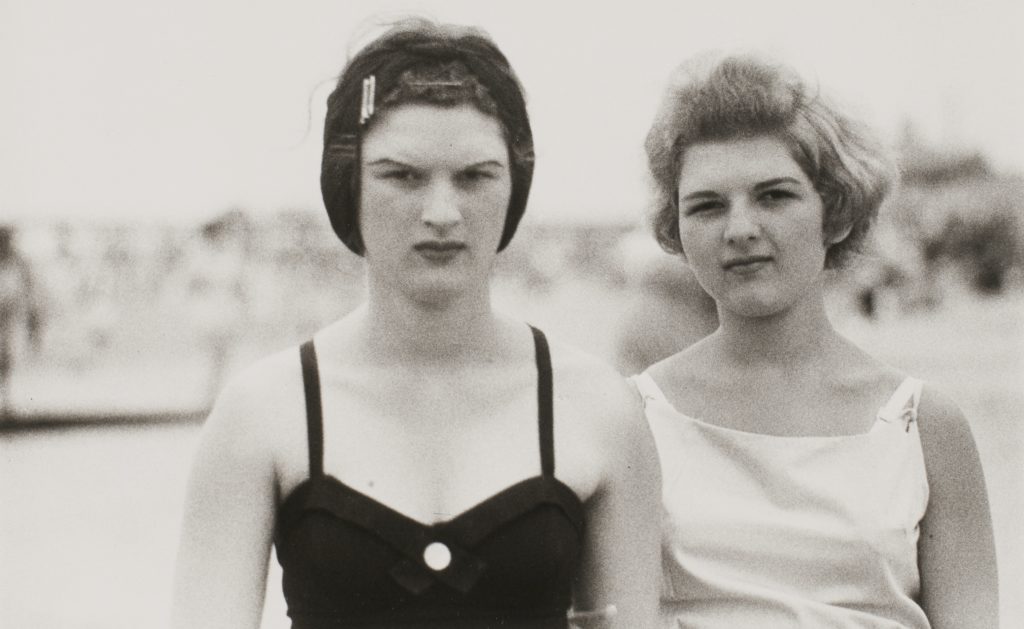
(89, 515)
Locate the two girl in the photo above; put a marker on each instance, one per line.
(428, 462)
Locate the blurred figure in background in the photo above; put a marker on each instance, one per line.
(668, 312)
(217, 295)
(20, 307)
(887, 278)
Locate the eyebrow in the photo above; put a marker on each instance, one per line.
(386, 161)
(775, 182)
(704, 194)
(488, 162)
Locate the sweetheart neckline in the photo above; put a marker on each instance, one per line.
(440, 524)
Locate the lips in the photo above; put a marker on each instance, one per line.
(746, 264)
(439, 250)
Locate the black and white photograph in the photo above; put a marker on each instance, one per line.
(466, 315)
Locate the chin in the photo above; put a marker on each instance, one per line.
(441, 286)
(755, 304)
(758, 311)
(437, 291)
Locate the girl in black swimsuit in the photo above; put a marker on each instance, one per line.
(403, 461)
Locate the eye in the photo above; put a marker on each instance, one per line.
(777, 195)
(475, 176)
(402, 175)
(705, 207)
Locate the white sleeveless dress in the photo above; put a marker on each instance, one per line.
(769, 531)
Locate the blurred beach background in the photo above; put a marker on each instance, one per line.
(160, 166)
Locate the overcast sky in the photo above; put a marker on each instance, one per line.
(180, 109)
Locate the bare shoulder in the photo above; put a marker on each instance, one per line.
(600, 428)
(686, 370)
(946, 436)
(593, 386)
(258, 407)
(939, 411)
(262, 388)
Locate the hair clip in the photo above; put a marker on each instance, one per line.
(435, 83)
(369, 87)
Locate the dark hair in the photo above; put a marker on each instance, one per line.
(418, 61)
(733, 97)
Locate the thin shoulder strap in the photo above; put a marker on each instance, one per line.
(647, 387)
(545, 403)
(314, 413)
(906, 398)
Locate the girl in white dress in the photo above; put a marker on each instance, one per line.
(805, 484)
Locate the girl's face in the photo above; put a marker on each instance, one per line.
(435, 188)
(750, 223)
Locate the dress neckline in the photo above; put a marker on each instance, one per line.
(514, 490)
(651, 392)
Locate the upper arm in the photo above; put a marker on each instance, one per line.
(228, 520)
(621, 559)
(956, 551)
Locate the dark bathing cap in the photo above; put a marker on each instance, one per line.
(376, 71)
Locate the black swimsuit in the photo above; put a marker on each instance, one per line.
(351, 561)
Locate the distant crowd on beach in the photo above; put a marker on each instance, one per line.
(954, 224)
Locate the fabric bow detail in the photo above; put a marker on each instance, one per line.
(461, 574)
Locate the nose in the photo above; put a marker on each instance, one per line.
(741, 225)
(441, 206)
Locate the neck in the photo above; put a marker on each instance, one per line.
(462, 328)
(800, 335)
